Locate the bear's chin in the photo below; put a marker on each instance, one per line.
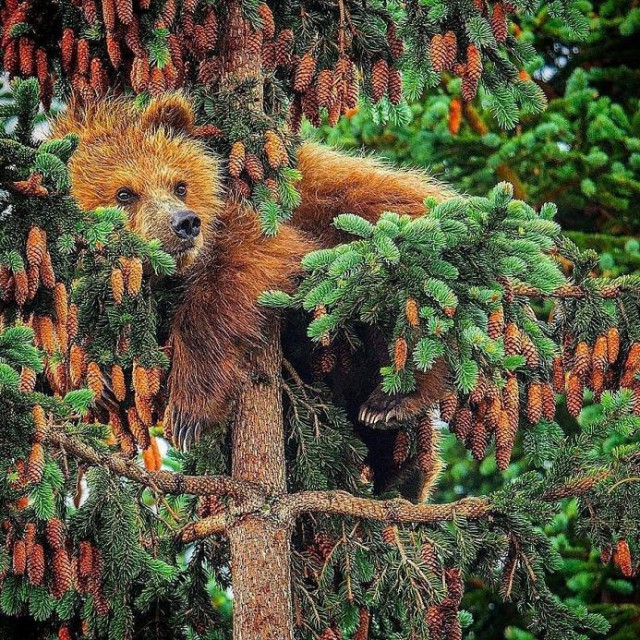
(186, 259)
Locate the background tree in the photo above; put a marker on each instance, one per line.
(141, 555)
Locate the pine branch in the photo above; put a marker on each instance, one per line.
(160, 481)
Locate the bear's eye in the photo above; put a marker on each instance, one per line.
(181, 189)
(125, 196)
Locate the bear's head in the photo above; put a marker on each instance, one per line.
(147, 162)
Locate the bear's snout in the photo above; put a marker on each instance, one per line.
(185, 224)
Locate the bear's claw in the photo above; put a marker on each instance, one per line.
(185, 430)
(381, 409)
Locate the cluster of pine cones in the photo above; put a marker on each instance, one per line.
(44, 554)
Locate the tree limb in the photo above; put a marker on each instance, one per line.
(163, 481)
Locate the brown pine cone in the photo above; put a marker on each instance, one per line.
(469, 86)
(157, 82)
(67, 49)
(613, 344)
(138, 428)
(582, 362)
(94, 379)
(534, 402)
(77, 364)
(118, 383)
(600, 354)
(575, 390)
(395, 85)
(133, 278)
(36, 246)
(268, 23)
(474, 63)
(479, 439)
(390, 534)
(27, 380)
(109, 15)
(62, 573)
(558, 375)
(450, 44)
(117, 285)
(504, 441)
(379, 79)
(400, 353)
(85, 559)
(237, 158)
(438, 53)
(412, 312)
(622, 558)
(254, 167)
(499, 22)
(448, 407)
(396, 46)
(512, 339)
(114, 51)
(36, 565)
(284, 48)
(324, 88)
(124, 9)
(401, 448)
(35, 463)
(462, 423)
(548, 401)
(495, 326)
(19, 560)
(56, 533)
(426, 437)
(429, 556)
(304, 73)
(27, 56)
(47, 275)
(362, 632)
(140, 74)
(529, 351)
(21, 284)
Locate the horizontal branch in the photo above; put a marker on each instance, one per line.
(395, 510)
(204, 528)
(161, 481)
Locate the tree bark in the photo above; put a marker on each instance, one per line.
(260, 544)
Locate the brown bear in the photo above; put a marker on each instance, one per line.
(149, 163)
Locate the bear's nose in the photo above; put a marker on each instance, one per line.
(185, 224)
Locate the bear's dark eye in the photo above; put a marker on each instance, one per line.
(181, 189)
(125, 196)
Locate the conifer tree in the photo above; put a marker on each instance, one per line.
(296, 530)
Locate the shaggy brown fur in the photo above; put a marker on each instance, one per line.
(219, 319)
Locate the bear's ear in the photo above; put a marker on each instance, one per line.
(172, 111)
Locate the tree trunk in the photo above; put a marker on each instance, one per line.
(260, 546)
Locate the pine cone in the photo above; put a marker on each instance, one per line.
(47, 275)
(55, 533)
(140, 381)
(600, 355)
(412, 312)
(114, 51)
(362, 632)
(157, 83)
(395, 85)
(19, 558)
(495, 326)
(379, 79)
(582, 362)
(438, 53)
(324, 88)
(62, 573)
(268, 23)
(64, 633)
(401, 448)
(622, 558)
(426, 437)
(534, 403)
(138, 429)
(613, 344)
(67, 49)
(400, 353)
(548, 402)
(474, 63)
(27, 56)
(133, 277)
(36, 246)
(469, 86)
(124, 9)
(304, 73)
(237, 157)
(462, 423)
(504, 441)
(435, 621)
(479, 439)
(27, 380)
(83, 57)
(450, 45)
(390, 534)
(448, 407)
(85, 560)
(94, 379)
(77, 364)
(47, 335)
(429, 556)
(512, 340)
(275, 150)
(558, 375)
(21, 284)
(36, 565)
(35, 463)
(499, 22)
(117, 285)
(396, 46)
(284, 48)
(574, 395)
(118, 383)
(254, 167)
(140, 74)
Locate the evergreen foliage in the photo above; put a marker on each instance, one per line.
(81, 338)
